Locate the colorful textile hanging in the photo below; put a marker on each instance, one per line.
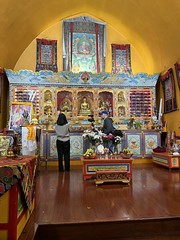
(83, 45)
(84, 56)
(121, 58)
(168, 84)
(46, 58)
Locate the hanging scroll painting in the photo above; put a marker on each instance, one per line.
(83, 45)
(46, 58)
(84, 52)
(169, 91)
(177, 69)
(1, 79)
(121, 58)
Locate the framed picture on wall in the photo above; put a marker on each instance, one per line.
(1, 87)
(1, 79)
(167, 80)
(121, 58)
(16, 114)
(46, 55)
(177, 69)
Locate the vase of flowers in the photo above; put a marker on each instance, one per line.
(117, 141)
(96, 138)
(93, 137)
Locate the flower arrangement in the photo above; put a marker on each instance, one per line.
(134, 124)
(117, 140)
(94, 137)
(97, 137)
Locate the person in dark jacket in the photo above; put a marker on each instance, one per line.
(108, 128)
(63, 142)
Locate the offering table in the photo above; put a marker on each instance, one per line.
(166, 159)
(17, 194)
(113, 169)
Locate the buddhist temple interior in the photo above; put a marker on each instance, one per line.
(150, 30)
(82, 58)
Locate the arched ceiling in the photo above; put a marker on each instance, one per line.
(151, 26)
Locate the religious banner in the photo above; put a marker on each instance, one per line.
(84, 56)
(83, 45)
(1, 83)
(169, 91)
(46, 58)
(121, 58)
(177, 69)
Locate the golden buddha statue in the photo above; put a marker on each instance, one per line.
(65, 106)
(103, 106)
(84, 108)
(48, 97)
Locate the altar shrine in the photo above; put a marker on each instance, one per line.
(125, 96)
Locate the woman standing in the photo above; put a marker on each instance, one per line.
(63, 142)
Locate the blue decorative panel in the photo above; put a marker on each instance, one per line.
(53, 148)
(68, 78)
(76, 146)
(150, 141)
(134, 143)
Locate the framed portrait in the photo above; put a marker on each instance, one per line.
(16, 114)
(1, 79)
(1, 88)
(177, 69)
(167, 80)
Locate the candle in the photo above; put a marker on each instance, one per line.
(160, 111)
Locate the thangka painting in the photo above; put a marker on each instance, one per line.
(1, 80)
(46, 57)
(169, 91)
(121, 58)
(83, 45)
(177, 68)
(84, 52)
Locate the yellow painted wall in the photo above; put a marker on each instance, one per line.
(28, 58)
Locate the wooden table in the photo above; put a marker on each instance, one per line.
(96, 167)
(167, 160)
(17, 191)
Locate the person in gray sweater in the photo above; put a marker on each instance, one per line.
(63, 142)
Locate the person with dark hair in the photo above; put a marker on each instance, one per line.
(108, 128)
(107, 124)
(63, 142)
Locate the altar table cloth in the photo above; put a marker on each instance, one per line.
(21, 169)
